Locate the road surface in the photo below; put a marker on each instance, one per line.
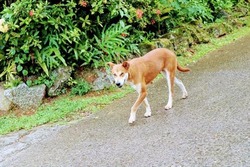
(211, 128)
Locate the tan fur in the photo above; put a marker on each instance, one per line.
(141, 71)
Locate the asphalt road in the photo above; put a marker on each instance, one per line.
(211, 128)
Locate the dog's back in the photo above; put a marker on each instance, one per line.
(152, 63)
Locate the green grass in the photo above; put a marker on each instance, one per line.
(67, 108)
(60, 110)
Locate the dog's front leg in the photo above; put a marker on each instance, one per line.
(141, 97)
(135, 107)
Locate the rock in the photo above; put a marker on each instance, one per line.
(238, 22)
(218, 32)
(200, 35)
(99, 79)
(26, 98)
(222, 14)
(5, 104)
(157, 43)
(220, 29)
(63, 75)
(163, 43)
(85, 74)
(146, 47)
(102, 81)
(241, 11)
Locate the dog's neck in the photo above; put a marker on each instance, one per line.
(130, 76)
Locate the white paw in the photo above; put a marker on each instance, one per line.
(147, 114)
(184, 95)
(131, 118)
(168, 106)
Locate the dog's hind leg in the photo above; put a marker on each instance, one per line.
(148, 109)
(182, 87)
(170, 80)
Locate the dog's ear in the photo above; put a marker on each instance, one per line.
(126, 65)
(111, 65)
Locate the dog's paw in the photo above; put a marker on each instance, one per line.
(147, 114)
(185, 95)
(130, 121)
(132, 118)
(168, 106)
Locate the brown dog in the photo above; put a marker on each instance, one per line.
(141, 71)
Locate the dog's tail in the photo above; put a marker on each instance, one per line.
(182, 69)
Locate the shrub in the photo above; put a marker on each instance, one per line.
(37, 32)
(81, 88)
(42, 37)
(38, 36)
(191, 10)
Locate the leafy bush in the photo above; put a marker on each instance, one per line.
(218, 5)
(191, 10)
(42, 37)
(36, 33)
(38, 36)
(81, 88)
(42, 79)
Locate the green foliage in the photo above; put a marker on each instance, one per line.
(191, 10)
(112, 43)
(60, 110)
(9, 72)
(42, 79)
(36, 33)
(81, 88)
(37, 37)
(218, 5)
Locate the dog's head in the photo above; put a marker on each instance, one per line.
(119, 72)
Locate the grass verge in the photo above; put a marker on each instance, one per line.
(216, 43)
(65, 108)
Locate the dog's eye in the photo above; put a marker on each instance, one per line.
(121, 74)
(114, 75)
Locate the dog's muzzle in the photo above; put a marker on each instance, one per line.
(119, 85)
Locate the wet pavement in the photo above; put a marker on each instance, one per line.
(209, 128)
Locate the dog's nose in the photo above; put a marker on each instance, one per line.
(118, 84)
